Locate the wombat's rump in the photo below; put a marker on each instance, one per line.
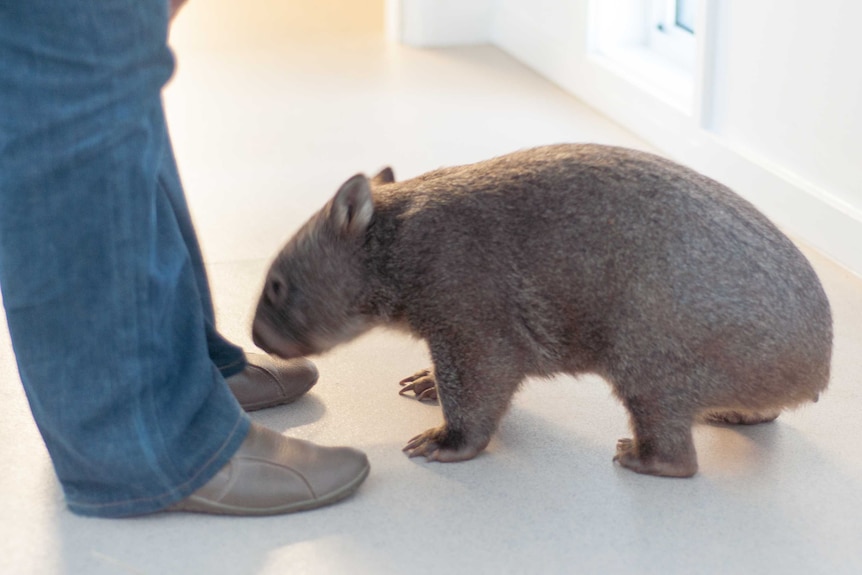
(568, 258)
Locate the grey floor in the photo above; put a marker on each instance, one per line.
(269, 115)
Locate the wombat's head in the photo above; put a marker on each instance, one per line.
(310, 301)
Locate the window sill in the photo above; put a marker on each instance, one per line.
(659, 76)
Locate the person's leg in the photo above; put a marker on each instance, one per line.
(257, 381)
(103, 302)
(228, 358)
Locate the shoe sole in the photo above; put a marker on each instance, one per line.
(198, 505)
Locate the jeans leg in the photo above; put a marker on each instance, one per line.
(103, 300)
(228, 358)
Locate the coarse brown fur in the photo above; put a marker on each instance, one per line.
(567, 258)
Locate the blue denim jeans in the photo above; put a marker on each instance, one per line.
(102, 279)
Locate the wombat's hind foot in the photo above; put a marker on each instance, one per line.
(741, 417)
(684, 465)
(422, 384)
(441, 444)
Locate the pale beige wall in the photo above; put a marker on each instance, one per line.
(212, 24)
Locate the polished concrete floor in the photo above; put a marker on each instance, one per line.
(271, 110)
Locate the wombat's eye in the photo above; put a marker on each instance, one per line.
(275, 287)
(276, 291)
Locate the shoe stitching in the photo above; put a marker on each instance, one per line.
(233, 475)
(271, 375)
(285, 467)
(231, 365)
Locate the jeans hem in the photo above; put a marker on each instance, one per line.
(147, 505)
(233, 368)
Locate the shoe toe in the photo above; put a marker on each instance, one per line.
(326, 470)
(268, 382)
(333, 470)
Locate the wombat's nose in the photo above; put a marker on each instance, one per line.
(275, 290)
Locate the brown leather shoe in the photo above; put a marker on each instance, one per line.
(272, 474)
(268, 381)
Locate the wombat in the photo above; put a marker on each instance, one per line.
(566, 258)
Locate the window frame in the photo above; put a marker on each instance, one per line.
(667, 38)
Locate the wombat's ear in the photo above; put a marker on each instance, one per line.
(352, 207)
(384, 176)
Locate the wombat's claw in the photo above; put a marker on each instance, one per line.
(624, 445)
(427, 394)
(422, 384)
(436, 445)
(422, 444)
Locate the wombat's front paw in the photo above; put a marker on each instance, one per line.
(627, 455)
(422, 384)
(439, 444)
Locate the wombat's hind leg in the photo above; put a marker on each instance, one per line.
(662, 443)
(422, 384)
(639, 458)
(735, 417)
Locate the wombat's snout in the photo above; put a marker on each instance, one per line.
(274, 297)
(257, 337)
(270, 341)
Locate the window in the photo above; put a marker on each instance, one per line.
(650, 41)
(685, 14)
(671, 33)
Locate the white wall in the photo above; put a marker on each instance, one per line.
(777, 110)
(793, 88)
(423, 23)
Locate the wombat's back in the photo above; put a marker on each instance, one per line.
(591, 258)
